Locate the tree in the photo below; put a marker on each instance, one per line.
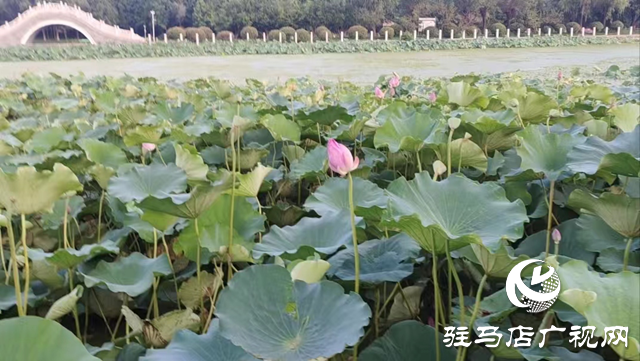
(606, 8)
(486, 9)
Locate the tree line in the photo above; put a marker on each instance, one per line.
(338, 15)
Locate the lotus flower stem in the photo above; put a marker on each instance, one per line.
(65, 221)
(154, 296)
(436, 291)
(173, 271)
(419, 162)
(456, 278)
(449, 152)
(14, 266)
(627, 250)
(70, 272)
(354, 236)
(25, 250)
(234, 164)
(198, 266)
(547, 320)
(549, 217)
(319, 134)
(100, 206)
(476, 309)
(4, 265)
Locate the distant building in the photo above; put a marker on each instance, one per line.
(424, 23)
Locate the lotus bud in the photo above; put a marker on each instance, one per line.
(310, 271)
(556, 236)
(432, 97)
(514, 103)
(394, 82)
(439, 168)
(148, 147)
(555, 113)
(454, 123)
(379, 93)
(341, 160)
(467, 136)
(560, 75)
(4, 222)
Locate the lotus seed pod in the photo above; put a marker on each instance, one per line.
(439, 167)
(454, 123)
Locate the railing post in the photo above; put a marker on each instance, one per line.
(475, 33)
(464, 34)
(518, 32)
(549, 32)
(486, 33)
(583, 32)
(132, 33)
(415, 34)
(560, 31)
(326, 37)
(181, 37)
(606, 31)
(213, 38)
(618, 31)
(264, 37)
(247, 35)
(311, 37)
(386, 35)
(400, 34)
(197, 39)
(451, 33)
(440, 34)
(371, 35)
(539, 31)
(279, 36)
(594, 31)
(428, 34)
(631, 31)
(528, 32)
(357, 35)
(508, 33)
(497, 33)
(231, 37)
(165, 38)
(342, 36)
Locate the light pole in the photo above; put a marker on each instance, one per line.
(153, 25)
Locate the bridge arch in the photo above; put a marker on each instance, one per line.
(31, 33)
(23, 29)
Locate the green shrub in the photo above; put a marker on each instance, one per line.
(433, 31)
(575, 26)
(446, 30)
(407, 24)
(303, 35)
(274, 35)
(407, 35)
(469, 30)
(174, 33)
(321, 32)
(397, 28)
(224, 35)
(205, 33)
(288, 33)
(560, 26)
(598, 25)
(190, 34)
(545, 29)
(389, 30)
(361, 30)
(515, 26)
(498, 26)
(249, 30)
(617, 24)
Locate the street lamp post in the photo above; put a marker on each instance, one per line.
(153, 25)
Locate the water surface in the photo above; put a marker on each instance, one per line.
(359, 68)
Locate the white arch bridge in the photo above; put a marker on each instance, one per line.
(23, 29)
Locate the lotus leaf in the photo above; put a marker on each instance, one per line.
(620, 212)
(333, 196)
(619, 156)
(300, 322)
(406, 128)
(156, 180)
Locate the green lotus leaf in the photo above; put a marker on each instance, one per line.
(213, 226)
(282, 214)
(28, 191)
(229, 113)
(250, 183)
(325, 234)
(292, 152)
(300, 322)
(606, 301)
(594, 234)
(464, 94)
(8, 297)
(535, 107)
(619, 156)
(619, 211)
(132, 275)
(456, 209)
(282, 128)
(546, 152)
(594, 91)
(496, 264)
(407, 341)
(471, 154)
(406, 304)
(69, 257)
(626, 117)
(572, 244)
(380, 260)
(46, 140)
(612, 260)
(175, 115)
(328, 115)
(156, 180)
(106, 154)
(142, 134)
(200, 199)
(55, 219)
(333, 196)
(192, 292)
(102, 175)
(312, 165)
(171, 322)
(191, 163)
(406, 128)
(38, 339)
(489, 122)
(189, 346)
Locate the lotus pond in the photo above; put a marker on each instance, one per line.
(144, 220)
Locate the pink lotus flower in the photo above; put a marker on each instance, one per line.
(340, 159)
(394, 82)
(379, 93)
(432, 97)
(560, 75)
(148, 147)
(556, 236)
